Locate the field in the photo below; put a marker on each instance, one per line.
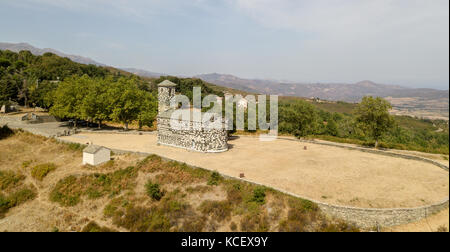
(357, 179)
(44, 187)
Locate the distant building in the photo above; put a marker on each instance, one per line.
(95, 155)
(242, 103)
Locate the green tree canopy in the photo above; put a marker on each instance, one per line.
(298, 117)
(372, 116)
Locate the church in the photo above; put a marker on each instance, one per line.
(199, 139)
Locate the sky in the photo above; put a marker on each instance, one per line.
(402, 42)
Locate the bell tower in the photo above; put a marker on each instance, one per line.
(166, 90)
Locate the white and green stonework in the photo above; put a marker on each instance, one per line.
(198, 139)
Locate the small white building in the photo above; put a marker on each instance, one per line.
(242, 103)
(95, 155)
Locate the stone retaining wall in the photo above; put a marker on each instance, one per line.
(366, 218)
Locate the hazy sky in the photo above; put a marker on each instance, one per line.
(402, 42)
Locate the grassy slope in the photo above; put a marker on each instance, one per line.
(120, 195)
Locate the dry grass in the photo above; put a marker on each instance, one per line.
(116, 196)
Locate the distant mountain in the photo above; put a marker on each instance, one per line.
(143, 73)
(37, 51)
(419, 102)
(329, 91)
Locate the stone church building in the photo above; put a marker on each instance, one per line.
(201, 140)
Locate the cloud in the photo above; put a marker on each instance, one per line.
(336, 16)
(351, 39)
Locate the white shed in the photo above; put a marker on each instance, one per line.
(95, 155)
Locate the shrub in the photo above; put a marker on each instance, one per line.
(233, 226)
(21, 196)
(255, 223)
(195, 224)
(16, 198)
(259, 195)
(139, 219)
(153, 191)
(301, 214)
(39, 172)
(218, 210)
(93, 227)
(4, 205)
(5, 132)
(442, 229)
(9, 180)
(340, 226)
(214, 179)
(67, 192)
(26, 164)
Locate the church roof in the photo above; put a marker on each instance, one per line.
(167, 83)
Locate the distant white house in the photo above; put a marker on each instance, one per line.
(242, 103)
(95, 155)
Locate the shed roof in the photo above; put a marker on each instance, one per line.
(167, 83)
(92, 149)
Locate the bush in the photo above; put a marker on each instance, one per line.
(93, 227)
(218, 210)
(9, 180)
(153, 191)
(442, 229)
(214, 179)
(22, 196)
(39, 172)
(259, 195)
(15, 199)
(255, 223)
(5, 132)
(67, 192)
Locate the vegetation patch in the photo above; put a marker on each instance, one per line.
(259, 195)
(214, 179)
(93, 227)
(217, 210)
(255, 223)
(9, 180)
(39, 172)
(153, 191)
(16, 198)
(5, 132)
(69, 190)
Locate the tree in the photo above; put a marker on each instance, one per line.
(372, 116)
(332, 128)
(68, 97)
(148, 109)
(95, 104)
(122, 101)
(299, 118)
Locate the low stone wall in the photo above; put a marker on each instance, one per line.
(366, 218)
(369, 218)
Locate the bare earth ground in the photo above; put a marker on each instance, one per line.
(323, 173)
(40, 214)
(186, 191)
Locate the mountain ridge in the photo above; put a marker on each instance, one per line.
(326, 91)
(17, 47)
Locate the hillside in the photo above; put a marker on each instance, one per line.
(46, 188)
(420, 102)
(37, 51)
